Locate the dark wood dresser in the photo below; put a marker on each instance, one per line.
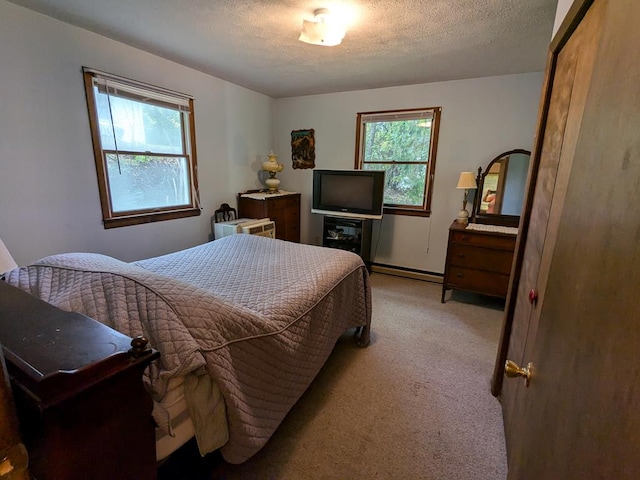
(82, 406)
(478, 261)
(282, 208)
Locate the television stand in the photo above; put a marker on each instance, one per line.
(351, 234)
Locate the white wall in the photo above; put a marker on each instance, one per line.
(481, 118)
(561, 12)
(49, 200)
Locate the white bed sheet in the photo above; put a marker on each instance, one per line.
(179, 428)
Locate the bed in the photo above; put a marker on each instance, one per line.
(243, 325)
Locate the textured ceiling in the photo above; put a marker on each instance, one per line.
(388, 43)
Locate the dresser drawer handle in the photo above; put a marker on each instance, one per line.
(465, 237)
(459, 275)
(461, 255)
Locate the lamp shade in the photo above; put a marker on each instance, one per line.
(467, 180)
(6, 260)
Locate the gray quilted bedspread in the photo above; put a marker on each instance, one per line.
(260, 316)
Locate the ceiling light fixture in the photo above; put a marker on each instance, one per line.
(324, 29)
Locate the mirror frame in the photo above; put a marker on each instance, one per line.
(495, 218)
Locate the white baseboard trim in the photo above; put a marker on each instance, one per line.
(402, 272)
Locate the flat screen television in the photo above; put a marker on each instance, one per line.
(348, 193)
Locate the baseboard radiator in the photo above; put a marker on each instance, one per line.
(407, 272)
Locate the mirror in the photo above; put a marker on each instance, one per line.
(501, 188)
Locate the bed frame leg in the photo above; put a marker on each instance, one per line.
(363, 336)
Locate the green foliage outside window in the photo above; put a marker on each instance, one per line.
(401, 149)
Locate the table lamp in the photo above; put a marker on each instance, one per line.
(466, 181)
(272, 167)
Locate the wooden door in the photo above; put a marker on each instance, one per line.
(569, 76)
(580, 416)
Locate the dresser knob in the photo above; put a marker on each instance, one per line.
(461, 255)
(459, 275)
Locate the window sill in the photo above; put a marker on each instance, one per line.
(406, 211)
(126, 221)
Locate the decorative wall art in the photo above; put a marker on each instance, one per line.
(303, 149)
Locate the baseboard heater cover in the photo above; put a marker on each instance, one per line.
(407, 272)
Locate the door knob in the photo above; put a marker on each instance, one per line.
(512, 369)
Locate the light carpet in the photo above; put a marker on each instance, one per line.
(415, 404)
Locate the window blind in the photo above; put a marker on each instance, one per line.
(398, 116)
(130, 89)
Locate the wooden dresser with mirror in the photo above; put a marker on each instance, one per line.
(480, 255)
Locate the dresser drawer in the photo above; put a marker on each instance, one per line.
(478, 261)
(470, 256)
(488, 283)
(505, 242)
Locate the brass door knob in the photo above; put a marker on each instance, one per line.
(512, 369)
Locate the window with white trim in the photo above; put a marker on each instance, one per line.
(403, 143)
(144, 148)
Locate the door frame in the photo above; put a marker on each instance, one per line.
(574, 16)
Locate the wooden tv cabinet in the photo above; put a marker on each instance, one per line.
(82, 406)
(478, 261)
(350, 234)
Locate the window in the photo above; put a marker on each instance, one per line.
(403, 143)
(144, 147)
